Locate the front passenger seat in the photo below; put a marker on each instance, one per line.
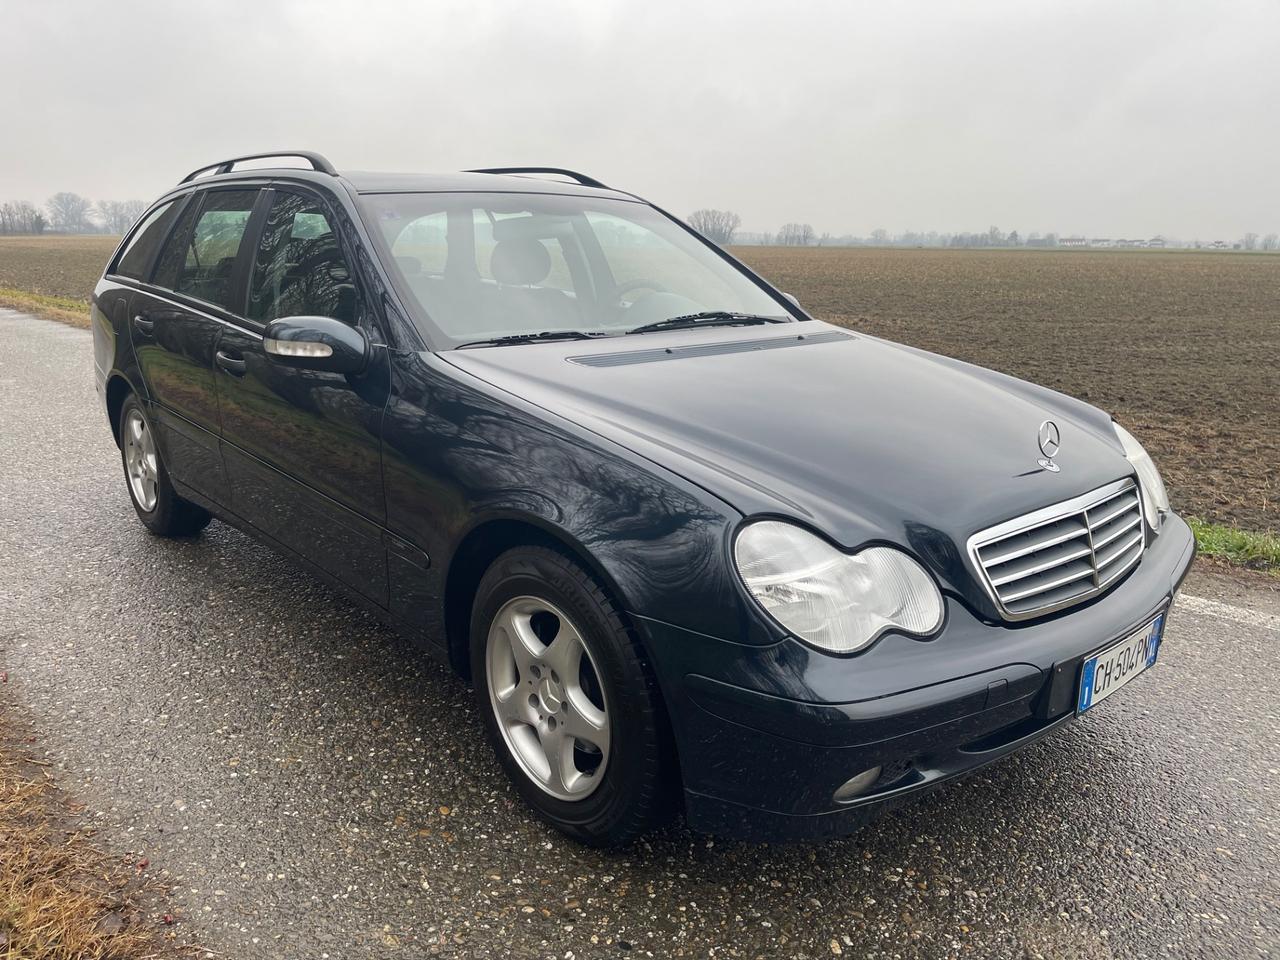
(519, 266)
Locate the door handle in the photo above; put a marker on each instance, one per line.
(144, 323)
(233, 365)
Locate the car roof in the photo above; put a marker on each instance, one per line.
(362, 181)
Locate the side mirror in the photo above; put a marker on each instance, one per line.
(792, 298)
(316, 343)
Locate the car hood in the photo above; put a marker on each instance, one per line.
(858, 437)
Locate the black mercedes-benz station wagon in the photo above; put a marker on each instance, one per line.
(690, 546)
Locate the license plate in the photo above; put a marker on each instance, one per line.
(1108, 671)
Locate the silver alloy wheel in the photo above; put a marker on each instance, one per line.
(547, 696)
(140, 460)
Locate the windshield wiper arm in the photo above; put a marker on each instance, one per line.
(544, 335)
(708, 318)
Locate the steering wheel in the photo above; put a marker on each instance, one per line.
(640, 283)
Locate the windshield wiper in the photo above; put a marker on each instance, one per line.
(545, 335)
(708, 318)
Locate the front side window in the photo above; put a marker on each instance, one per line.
(299, 269)
(137, 254)
(483, 265)
(200, 261)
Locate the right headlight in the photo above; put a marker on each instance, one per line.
(1155, 500)
(836, 601)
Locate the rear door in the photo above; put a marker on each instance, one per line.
(176, 320)
(302, 448)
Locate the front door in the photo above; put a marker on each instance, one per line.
(302, 447)
(175, 325)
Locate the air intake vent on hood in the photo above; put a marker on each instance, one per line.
(707, 349)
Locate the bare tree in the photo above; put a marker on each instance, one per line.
(795, 235)
(1270, 242)
(718, 226)
(111, 216)
(1250, 241)
(117, 216)
(880, 237)
(20, 217)
(133, 210)
(69, 212)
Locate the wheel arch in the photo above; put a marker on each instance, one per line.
(118, 390)
(485, 542)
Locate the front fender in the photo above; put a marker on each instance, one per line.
(459, 454)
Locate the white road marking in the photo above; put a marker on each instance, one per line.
(1227, 611)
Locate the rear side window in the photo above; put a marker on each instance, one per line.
(200, 261)
(141, 247)
(299, 269)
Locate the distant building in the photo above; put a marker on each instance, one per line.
(1219, 245)
(1073, 242)
(1157, 243)
(1040, 242)
(1101, 242)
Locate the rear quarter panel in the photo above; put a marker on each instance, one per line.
(112, 349)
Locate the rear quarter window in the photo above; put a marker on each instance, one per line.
(136, 257)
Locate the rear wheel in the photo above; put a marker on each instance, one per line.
(569, 705)
(158, 505)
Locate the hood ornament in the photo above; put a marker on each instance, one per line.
(1050, 443)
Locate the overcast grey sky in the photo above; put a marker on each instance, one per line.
(1105, 117)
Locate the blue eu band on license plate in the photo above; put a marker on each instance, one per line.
(1108, 671)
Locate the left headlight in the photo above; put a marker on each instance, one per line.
(836, 601)
(1155, 500)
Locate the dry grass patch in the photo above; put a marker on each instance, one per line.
(60, 897)
(62, 309)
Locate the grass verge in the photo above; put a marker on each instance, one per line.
(60, 897)
(1257, 551)
(63, 309)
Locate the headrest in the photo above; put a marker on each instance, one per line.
(523, 262)
(539, 226)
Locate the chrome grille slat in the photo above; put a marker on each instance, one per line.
(1063, 554)
(1042, 560)
(1114, 553)
(1127, 523)
(1075, 530)
(1077, 571)
(1123, 508)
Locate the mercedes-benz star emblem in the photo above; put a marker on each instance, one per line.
(1050, 444)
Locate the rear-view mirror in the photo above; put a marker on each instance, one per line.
(316, 343)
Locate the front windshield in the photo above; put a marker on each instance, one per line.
(490, 265)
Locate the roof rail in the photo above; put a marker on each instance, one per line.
(582, 178)
(225, 166)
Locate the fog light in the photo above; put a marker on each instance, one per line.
(854, 787)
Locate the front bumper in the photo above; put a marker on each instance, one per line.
(767, 734)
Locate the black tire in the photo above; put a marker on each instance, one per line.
(170, 515)
(634, 790)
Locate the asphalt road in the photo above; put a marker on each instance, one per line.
(312, 787)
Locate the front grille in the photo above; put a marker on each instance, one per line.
(1063, 554)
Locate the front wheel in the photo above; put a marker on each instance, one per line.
(158, 505)
(568, 702)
